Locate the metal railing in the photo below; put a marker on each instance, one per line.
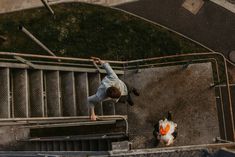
(217, 60)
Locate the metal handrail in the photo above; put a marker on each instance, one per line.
(54, 57)
(126, 66)
(217, 69)
(218, 77)
(36, 120)
(173, 56)
(109, 61)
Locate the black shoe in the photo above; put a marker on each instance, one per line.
(130, 102)
(169, 115)
(135, 92)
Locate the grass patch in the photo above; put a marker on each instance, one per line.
(83, 30)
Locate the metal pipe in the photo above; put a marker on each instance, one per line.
(3, 38)
(48, 6)
(172, 56)
(36, 40)
(55, 57)
(229, 97)
(57, 118)
(114, 62)
(218, 139)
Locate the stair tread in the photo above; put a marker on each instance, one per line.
(73, 124)
(80, 137)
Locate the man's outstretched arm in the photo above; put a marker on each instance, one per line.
(106, 66)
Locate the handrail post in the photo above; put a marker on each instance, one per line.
(48, 6)
(36, 40)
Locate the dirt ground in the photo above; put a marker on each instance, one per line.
(185, 92)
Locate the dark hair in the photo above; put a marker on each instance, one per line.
(113, 92)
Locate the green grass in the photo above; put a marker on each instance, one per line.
(83, 30)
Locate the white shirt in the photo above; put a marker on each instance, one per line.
(168, 138)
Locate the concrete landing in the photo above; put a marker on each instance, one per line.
(184, 92)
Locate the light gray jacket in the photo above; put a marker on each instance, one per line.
(111, 79)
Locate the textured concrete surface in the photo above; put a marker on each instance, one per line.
(193, 5)
(184, 92)
(15, 5)
(10, 134)
(227, 4)
(213, 26)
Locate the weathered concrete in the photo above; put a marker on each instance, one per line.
(15, 5)
(184, 92)
(9, 135)
(212, 26)
(193, 5)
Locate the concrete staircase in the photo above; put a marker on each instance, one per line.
(39, 93)
(53, 95)
(73, 143)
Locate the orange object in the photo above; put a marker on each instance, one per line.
(164, 131)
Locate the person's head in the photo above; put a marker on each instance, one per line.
(113, 92)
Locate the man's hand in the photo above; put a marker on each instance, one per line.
(97, 60)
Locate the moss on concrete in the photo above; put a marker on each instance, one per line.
(83, 30)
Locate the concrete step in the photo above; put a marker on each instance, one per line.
(52, 87)
(81, 88)
(62, 145)
(85, 145)
(94, 82)
(121, 108)
(36, 97)
(43, 146)
(20, 102)
(5, 111)
(49, 146)
(102, 145)
(109, 108)
(77, 145)
(69, 146)
(68, 96)
(92, 143)
(56, 146)
(43, 93)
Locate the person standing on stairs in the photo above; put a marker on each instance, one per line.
(111, 87)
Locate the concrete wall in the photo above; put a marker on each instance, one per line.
(9, 135)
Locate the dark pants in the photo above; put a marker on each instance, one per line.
(127, 98)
